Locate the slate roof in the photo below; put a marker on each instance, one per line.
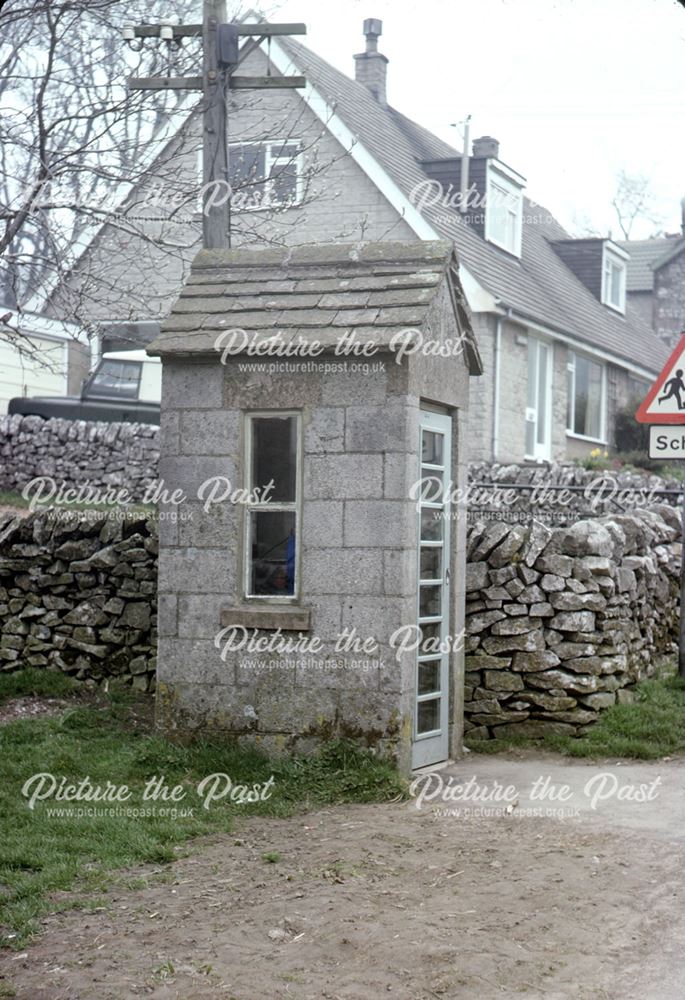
(539, 286)
(645, 255)
(317, 292)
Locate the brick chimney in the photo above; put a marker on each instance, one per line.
(486, 146)
(370, 67)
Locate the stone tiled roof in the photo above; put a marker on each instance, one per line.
(539, 285)
(317, 292)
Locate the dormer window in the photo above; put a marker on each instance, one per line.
(493, 201)
(504, 209)
(601, 266)
(613, 280)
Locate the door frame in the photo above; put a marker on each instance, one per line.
(541, 452)
(432, 747)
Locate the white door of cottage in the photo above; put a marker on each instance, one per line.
(431, 695)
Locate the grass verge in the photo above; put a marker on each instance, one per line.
(41, 683)
(652, 726)
(43, 857)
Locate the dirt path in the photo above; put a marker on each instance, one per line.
(381, 901)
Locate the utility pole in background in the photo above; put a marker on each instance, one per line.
(215, 220)
(465, 154)
(221, 56)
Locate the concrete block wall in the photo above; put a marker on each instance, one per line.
(358, 557)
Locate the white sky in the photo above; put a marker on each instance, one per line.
(574, 90)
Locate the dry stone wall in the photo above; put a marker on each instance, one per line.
(77, 452)
(562, 494)
(78, 593)
(561, 622)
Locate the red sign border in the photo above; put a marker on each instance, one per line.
(667, 419)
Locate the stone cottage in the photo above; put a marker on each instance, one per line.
(314, 414)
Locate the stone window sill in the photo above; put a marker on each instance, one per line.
(288, 617)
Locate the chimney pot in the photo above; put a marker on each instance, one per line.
(370, 67)
(486, 146)
(373, 29)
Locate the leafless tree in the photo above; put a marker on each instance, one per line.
(80, 155)
(71, 134)
(634, 201)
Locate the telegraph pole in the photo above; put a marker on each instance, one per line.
(221, 56)
(215, 218)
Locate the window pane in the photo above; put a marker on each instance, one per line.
(116, 378)
(429, 677)
(431, 448)
(247, 173)
(502, 208)
(432, 490)
(430, 602)
(274, 457)
(616, 275)
(588, 398)
(283, 174)
(581, 395)
(593, 418)
(429, 631)
(283, 184)
(428, 716)
(431, 564)
(273, 547)
(284, 150)
(431, 525)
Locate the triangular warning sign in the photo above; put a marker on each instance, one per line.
(665, 401)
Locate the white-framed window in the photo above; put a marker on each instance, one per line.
(265, 174)
(273, 466)
(613, 281)
(586, 397)
(503, 212)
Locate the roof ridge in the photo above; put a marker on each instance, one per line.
(539, 284)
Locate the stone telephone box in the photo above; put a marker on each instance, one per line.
(311, 575)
